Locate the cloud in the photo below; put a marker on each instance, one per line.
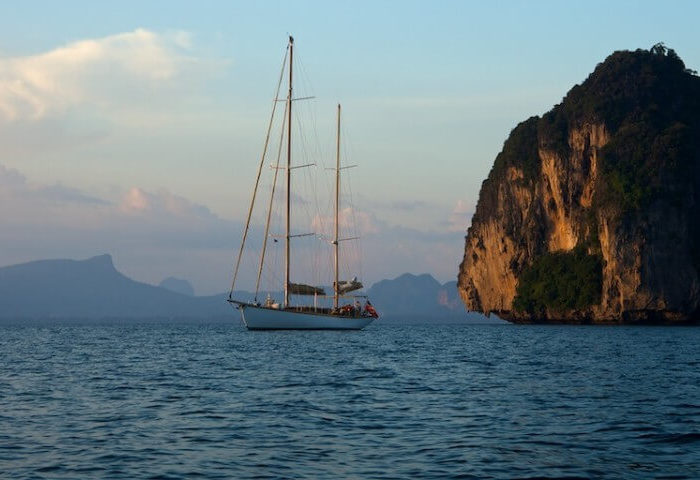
(389, 250)
(156, 234)
(410, 205)
(396, 250)
(62, 194)
(9, 177)
(151, 234)
(99, 73)
(140, 202)
(41, 221)
(461, 216)
(350, 220)
(13, 180)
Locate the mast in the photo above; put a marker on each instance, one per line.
(289, 170)
(337, 208)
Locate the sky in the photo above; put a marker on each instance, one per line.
(135, 128)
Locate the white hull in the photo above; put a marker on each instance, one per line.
(260, 318)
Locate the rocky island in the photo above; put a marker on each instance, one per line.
(590, 212)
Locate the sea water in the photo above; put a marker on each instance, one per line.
(156, 400)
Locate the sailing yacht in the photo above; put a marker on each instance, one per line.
(271, 315)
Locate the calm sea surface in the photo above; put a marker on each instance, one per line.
(448, 401)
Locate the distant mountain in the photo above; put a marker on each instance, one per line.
(177, 285)
(92, 288)
(419, 297)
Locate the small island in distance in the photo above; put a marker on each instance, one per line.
(589, 213)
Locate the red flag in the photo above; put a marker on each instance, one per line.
(370, 309)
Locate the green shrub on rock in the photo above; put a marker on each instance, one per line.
(559, 282)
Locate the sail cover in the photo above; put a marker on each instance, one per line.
(346, 286)
(301, 289)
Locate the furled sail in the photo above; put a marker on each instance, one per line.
(301, 289)
(346, 286)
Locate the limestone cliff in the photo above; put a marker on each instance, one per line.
(589, 213)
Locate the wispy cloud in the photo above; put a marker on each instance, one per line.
(62, 194)
(396, 250)
(156, 234)
(461, 216)
(17, 186)
(103, 73)
(349, 219)
(140, 202)
(410, 205)
(390, 249)
(9, 177)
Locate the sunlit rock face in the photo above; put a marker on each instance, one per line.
(611, 176)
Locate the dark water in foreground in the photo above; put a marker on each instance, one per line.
(453, 401)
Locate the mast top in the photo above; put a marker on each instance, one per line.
(291, 40)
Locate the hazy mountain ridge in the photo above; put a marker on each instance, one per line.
(178, 285)
(412, 298)
(94, 288)
(89, 288)
(415, 294)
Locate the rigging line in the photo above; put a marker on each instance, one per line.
(301, 202)
(269, 209)
(321, 208)
(271, 279)
(311, 151)
(257, 180)
(356, 228)
(354, 215)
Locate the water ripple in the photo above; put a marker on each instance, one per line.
(153, 401)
